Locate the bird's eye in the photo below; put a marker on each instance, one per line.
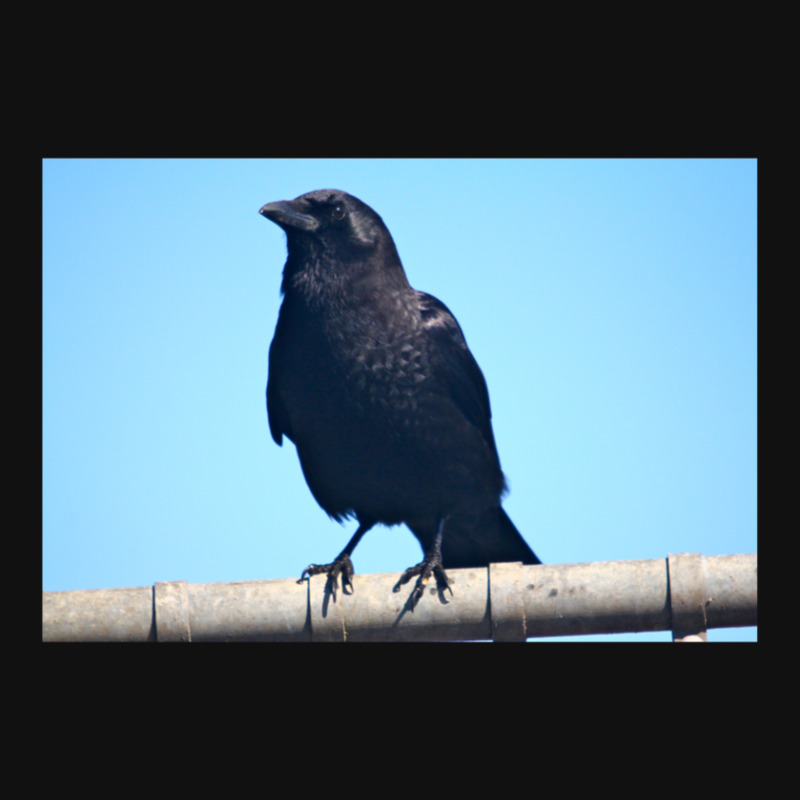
(338, 211)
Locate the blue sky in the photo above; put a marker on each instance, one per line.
(610, 303)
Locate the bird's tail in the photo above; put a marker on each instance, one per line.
(480, 540)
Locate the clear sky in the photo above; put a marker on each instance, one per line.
(610, 303)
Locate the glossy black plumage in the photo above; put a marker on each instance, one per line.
(374, 383)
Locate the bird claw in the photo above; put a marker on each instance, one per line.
(426, 568)
(341, 566)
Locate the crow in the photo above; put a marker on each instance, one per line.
(374, 383)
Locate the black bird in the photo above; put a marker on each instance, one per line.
(374, 383)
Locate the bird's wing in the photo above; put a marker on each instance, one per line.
(276, 408)
(460, 371)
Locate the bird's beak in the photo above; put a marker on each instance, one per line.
(285, 214)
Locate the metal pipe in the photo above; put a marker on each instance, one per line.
(505, 602)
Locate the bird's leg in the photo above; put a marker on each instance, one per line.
(430, 565)
(340, 565)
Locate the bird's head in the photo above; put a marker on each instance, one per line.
(332, 235)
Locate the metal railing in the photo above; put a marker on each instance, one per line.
(685, 593)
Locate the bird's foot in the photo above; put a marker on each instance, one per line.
(342, 565)
(431, 565)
